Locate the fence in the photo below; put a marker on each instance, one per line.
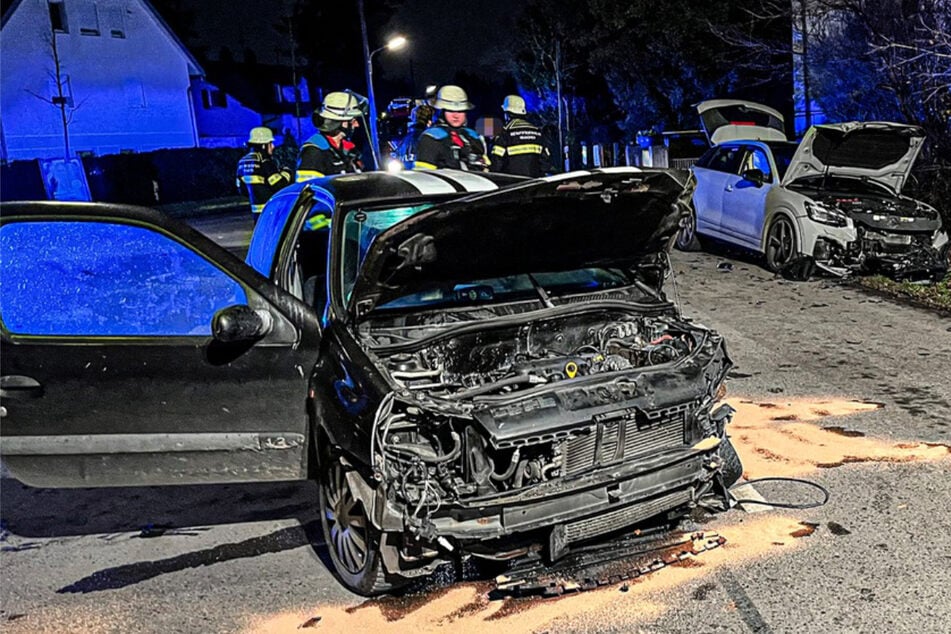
(151, 178)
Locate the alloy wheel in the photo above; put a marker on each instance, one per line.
(780, 243)
(346, 520)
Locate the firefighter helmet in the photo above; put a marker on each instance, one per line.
(342, 106)
(261, 136)
(514, 104)
(453, 99)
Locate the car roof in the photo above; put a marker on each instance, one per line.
(352, 189)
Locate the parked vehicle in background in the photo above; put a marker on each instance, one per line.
(455, 393)
(833, 200)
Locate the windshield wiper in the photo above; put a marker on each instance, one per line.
(546, 300)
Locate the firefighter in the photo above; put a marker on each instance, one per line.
(519, 148)
(330, 150)
(449, 143)
(258, 173)
(420, 121)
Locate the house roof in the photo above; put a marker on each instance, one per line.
(254, 85)
(9, 7)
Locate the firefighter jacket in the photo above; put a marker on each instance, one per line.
(519, 149)
(406, 151)
(320, 156)
(262, 178)
(443, 146)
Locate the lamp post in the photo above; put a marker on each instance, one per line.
(395, 43)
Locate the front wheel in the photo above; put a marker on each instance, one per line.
(687, 238)
(780, 244)
(352, 540)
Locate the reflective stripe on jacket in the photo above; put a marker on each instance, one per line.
(519, 149)
(261, 177)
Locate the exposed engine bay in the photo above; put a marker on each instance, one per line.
(496, 363)
(488, 450)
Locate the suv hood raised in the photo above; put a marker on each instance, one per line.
(736, 120)
(880, 151)
(616, 217)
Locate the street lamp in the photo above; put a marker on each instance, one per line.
(393, 44)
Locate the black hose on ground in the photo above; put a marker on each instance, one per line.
(787, 505)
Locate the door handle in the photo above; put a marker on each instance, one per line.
(728, 188)
(19, 387)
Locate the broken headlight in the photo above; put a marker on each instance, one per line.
(825, 215)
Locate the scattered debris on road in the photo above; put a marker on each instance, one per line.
(609, 564)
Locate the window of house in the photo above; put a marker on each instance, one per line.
(88, 19)
(116, 22)
(135, 93)
(58, 16)
(213, 98)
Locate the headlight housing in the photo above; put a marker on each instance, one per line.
(825, 215)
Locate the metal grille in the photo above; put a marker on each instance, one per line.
(616, 441)
(618, 519)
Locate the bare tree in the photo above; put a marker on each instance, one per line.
(61, 99)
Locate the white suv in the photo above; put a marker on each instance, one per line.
(833, 200)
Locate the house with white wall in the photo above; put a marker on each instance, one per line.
(124, 82)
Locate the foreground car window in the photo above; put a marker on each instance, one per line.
(104, 279)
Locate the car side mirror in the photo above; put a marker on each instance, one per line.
(755, 176)
(240, 323)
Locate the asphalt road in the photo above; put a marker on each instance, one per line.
(240, 558)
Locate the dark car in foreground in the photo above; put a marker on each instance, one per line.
(468, 365)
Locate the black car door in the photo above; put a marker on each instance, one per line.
(110, 373)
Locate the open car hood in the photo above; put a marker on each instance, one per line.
(880, 151)
(617, 217)
(737, 120)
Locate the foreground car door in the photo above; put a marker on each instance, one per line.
(110, 373)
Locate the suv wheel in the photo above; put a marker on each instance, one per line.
(780, 247)
(687, 238)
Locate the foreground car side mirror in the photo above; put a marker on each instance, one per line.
(240, 323)
(755, 176)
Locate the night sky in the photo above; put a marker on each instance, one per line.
(445, 37)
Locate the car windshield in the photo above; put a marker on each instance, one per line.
(782, 154)
(513, 287)
(362, 226)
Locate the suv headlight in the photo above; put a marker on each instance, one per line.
(825, 215)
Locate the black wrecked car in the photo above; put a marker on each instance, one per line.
(469, 365)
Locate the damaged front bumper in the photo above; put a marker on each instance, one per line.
(551, 516)
(900, 256)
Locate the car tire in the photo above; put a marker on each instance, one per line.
(351, 539)
(687, 238)
(732, 468)
(781, 245)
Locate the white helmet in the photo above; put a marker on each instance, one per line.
(453, 99)
(261, 136)
(514, 104)
(342, 106)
